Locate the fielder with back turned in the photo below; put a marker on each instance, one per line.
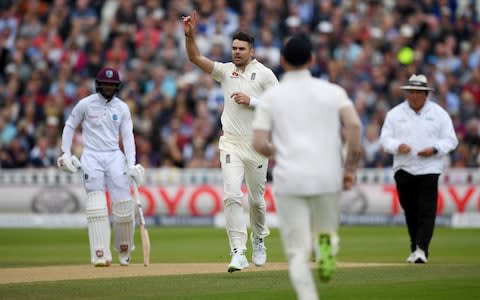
(243, 80)
(299, 122)
(105, 119)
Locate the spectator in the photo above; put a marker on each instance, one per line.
(49, 53)
(471, 140)
(7, 130)
(42, 155)
(371, 146)
(83, 17)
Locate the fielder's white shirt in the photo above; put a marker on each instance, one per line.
(102, 125)
(303, 114)
(430, 127)
(237, 118)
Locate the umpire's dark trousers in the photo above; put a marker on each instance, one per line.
(418, 198)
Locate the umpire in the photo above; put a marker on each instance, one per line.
(419, 134)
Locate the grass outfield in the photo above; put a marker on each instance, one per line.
(453, 271)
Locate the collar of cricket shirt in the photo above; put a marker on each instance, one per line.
(297, 74)
(238, 70)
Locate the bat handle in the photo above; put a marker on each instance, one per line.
(140, 213)
(137, 201)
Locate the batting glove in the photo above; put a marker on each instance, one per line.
(68, 163)
(136, 172)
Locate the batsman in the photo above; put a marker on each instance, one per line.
(106, 123)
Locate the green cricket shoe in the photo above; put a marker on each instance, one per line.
(326, 263)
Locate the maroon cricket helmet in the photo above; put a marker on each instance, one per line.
(108, 75)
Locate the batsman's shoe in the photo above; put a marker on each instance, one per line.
(326, 262)
(239, 262)
(420, 257)
(259, 251)
(124, 258)
(102, 262)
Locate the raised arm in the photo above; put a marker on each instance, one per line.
(189, 27)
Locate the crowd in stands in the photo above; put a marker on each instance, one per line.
(50, 52)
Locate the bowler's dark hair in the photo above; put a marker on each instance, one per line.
(243, 36)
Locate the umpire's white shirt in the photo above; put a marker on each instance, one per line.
(303, 114)
(237, 119)
(430, 127)
(102, 125)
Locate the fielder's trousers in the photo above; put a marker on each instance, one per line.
(418, 198)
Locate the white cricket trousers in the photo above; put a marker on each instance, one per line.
(301, 219)
(106, 171)
(240, 161)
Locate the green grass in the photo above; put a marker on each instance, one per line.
(453, 271)
(67, 246)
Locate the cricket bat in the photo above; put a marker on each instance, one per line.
(143, 231)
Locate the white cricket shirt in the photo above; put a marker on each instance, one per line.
(103, 123)
(303, 114)
(431, 127)
(237, 118)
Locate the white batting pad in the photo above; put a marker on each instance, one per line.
(123, 225)
(98, 226)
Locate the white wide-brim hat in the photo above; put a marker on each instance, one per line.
(417, 82)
